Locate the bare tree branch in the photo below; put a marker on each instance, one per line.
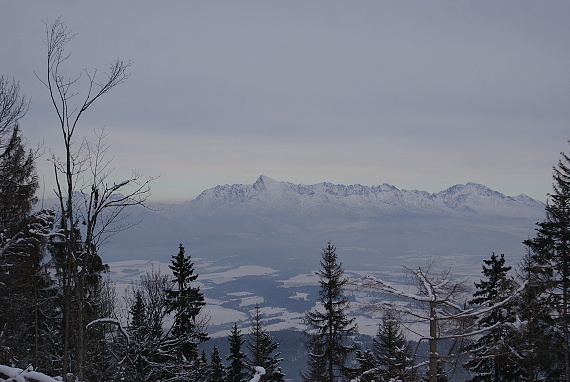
(91, 205)
(13, 107)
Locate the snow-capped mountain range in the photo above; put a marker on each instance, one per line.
(270, 196)
(265, 220)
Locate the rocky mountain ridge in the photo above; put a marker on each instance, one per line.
(267, 195)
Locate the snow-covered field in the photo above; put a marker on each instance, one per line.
(229, 306)
(231, 294)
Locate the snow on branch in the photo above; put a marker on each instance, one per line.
(382, 286)
(259, 371)
(110, 321)
(478, 311)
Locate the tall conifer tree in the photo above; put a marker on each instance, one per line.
(392, 351)
(217, 368)
(533, 339)
(18, 183)
(237, 369)
(492, 358)
(329, 327)
(23, 235)
(551, 248)
(186, 302)
(263, 350)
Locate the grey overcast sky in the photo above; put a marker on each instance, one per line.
(418, 94)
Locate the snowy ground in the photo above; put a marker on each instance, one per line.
(14, 374)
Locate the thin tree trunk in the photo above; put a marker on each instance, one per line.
(562, 253)
(80, 328)
(432, 343)
(36, 318)
(66, 318)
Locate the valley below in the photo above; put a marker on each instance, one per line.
(261, 244)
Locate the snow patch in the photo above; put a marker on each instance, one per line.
(233, 274)
(304, 279)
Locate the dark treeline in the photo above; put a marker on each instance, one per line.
(59, 309)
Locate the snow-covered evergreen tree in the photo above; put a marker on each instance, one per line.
(390, 358)
(493, 359)
(138, 315)
(392, 352)
(534, 338)
(316, 363)
(237, 370)
(186, 302)
(202, 369)
(367, 369)
(25, 319)
(329, 326)
(217, 368)
(24, 283)
(18, 183)
(138, 333)
(551, 248)
(263, 350)
(147, 355)
(441, 376)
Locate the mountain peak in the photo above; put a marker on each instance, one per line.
(263, 181)
(470, 188)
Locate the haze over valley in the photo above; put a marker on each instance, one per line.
(261, 242)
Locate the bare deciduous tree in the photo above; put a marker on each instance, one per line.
(437, 301)
(91, 205)
(13, 106)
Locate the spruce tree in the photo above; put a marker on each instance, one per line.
(551, 248)
(186, 302)
(329, 328)
(150, 350)
(392, 352)
(202, 370)
(263, 350)
(49, 341)
(492, 358)
(316, 362)
(534, 342)
(138, 334)
(138, 315)
(18, 184)
(217, 368)
(367, 370)
(23, 236)
(237, 369)
(25, 318)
